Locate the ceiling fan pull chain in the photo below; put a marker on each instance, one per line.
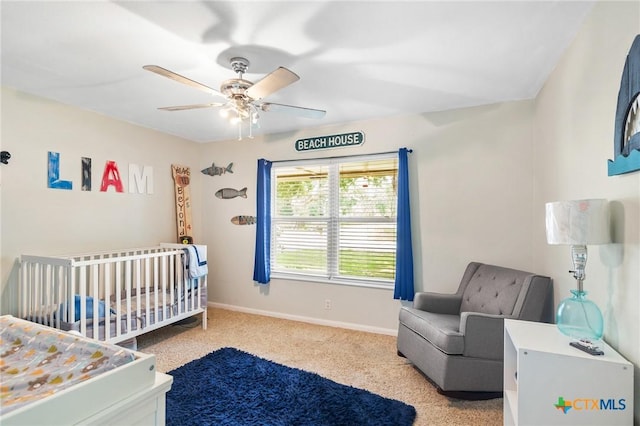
(253, 116)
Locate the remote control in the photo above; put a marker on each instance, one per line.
(590, 349)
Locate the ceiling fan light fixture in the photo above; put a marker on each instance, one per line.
(236, 119)
(241, 95)
(225, 111)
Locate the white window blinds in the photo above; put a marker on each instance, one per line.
(335, 218)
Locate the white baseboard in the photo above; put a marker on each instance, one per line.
(310, 320)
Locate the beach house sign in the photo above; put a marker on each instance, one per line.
(331, 141)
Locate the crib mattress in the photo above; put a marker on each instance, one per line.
(144, 318)
(37, 361)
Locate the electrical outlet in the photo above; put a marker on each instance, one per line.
(327, 304)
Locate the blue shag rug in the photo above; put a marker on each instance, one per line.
(232, 387)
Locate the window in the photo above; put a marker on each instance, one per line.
(335, 219)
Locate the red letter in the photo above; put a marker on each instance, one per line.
(111, 176)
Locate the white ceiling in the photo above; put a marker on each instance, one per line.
(357, 60)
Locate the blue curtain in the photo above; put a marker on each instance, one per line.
(404, 289)
(262, 261)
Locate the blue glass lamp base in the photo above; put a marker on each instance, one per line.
(580, 318)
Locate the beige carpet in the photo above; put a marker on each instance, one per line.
(363, 360)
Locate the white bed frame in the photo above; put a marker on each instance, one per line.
(140, 290)
(132, 394)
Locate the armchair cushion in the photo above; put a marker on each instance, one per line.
(493, 290)
(438, 303)
(483, 335)
(441, 329)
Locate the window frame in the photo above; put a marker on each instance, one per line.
(333, 223)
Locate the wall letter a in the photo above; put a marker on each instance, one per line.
(111, 176)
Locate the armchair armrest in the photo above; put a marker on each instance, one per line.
(438, 303)
(483, 335)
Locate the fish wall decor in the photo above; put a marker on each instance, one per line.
(626, 141)
(228, 193)
(243, 220)
(217, 171)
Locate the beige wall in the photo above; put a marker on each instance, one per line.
(471, 188)
(574, 125)
(40, 220)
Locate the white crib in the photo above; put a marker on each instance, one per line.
(113, 296)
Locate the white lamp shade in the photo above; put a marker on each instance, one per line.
(578, 222)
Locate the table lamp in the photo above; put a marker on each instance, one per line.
(578, 223)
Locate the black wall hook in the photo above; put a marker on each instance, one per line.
(4, 157)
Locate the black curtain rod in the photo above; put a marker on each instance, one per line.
(339, 156)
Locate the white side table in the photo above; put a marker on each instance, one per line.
(548, 382)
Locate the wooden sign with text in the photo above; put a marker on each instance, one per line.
(182, 178)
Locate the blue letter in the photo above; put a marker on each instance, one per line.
(54, 173)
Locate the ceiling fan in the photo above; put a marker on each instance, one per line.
(243, 97)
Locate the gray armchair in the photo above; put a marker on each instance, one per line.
(456, 340)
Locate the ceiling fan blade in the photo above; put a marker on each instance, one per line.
(295, 110)
(195, 106)
(271, 83)
(181, 79)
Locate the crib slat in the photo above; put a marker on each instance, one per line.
(106, 298)
(147, 302)
(118, 296)
(94, 292)
(137, 279)
(172, 280)
(72, 290)
(128, 277)
(83, 294)
(155, 277)
(163, 286)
